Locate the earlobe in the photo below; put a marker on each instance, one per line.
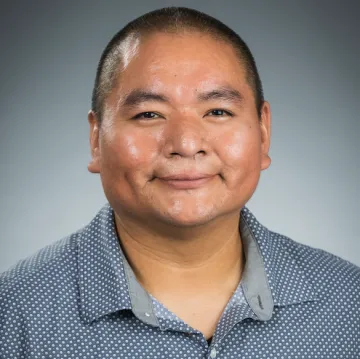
(265, 162)
(94, 164)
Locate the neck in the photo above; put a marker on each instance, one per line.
(206, 259)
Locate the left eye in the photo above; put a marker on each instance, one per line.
(219, 112)
(146, 115)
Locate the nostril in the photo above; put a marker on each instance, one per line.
(176, 154)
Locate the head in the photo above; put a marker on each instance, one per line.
(173, 20)
(179, 129)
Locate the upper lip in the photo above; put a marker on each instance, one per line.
(185, 177)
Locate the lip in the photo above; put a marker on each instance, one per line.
(186, 181)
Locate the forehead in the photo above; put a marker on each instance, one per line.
(182, 61)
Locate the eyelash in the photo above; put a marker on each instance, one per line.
(227, 113)
(140, 115)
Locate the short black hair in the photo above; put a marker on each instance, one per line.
(170, 20)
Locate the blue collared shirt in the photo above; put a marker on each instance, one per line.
(79, 298)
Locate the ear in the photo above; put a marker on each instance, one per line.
(94, 164)
(265, 128)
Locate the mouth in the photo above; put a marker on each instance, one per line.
(186, 181)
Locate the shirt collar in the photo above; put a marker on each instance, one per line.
(107, 283)
(273, 275)
(101, 273)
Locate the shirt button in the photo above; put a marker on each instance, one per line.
(213, 353)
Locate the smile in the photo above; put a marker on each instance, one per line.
(186, 182)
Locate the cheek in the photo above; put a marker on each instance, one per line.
(240, 151)
(234, 148)
(130, 149)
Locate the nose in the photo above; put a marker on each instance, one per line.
(185, 137)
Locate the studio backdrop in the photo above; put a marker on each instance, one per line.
(308, 55)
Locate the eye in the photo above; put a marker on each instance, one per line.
(146, 115)
(218, 112)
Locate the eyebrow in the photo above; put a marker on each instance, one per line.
(222, 93)
(138, 96)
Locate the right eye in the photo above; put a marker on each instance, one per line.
(146, 115)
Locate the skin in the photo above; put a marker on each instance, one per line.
(181, 237)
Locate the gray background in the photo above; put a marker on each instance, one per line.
(308, 56)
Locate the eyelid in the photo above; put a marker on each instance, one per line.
(139, 115)
(228, 113)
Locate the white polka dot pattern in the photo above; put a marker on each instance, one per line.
(77, 299)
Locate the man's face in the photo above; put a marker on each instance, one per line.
(180, 140)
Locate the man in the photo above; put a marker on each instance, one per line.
(175, 265)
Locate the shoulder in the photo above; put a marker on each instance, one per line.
(31, 288)
(37, 292)
(52, 267)
(44, 259)
(327, 272)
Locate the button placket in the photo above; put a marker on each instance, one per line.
(213, 353)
